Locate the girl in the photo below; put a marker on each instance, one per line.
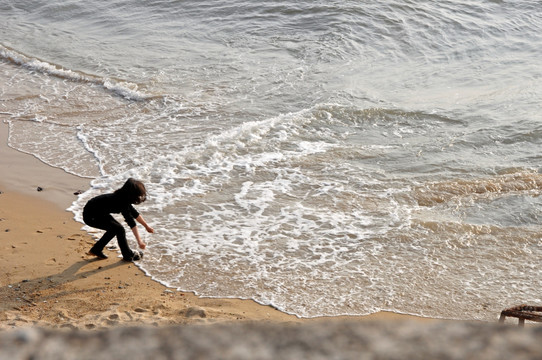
(97, 213)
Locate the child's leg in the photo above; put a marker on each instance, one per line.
(127, 253)
(104, 240)
(112, 228)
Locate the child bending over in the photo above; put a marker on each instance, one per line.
(97, 213)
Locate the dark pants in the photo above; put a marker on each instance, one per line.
(112, 228)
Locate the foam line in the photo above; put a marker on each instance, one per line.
(121, 88)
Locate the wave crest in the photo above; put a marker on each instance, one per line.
(125, 89)
(440, 192)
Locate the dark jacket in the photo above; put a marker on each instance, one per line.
(103, 205)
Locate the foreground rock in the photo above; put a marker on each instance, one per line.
(310, 340)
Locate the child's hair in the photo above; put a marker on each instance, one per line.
(134, 191)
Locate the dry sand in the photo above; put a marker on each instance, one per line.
(46, 278)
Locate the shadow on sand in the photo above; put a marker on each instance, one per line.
(26, 292)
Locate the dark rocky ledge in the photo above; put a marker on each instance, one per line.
(310, 340)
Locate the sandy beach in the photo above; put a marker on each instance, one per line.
(46, 278)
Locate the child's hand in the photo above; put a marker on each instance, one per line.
(142, 245)
(149, 229)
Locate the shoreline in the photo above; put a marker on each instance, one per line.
(24, 173)
(47, 280)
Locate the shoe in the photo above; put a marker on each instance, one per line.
(137, 255)
(98, 254)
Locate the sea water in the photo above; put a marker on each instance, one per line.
(323, 157)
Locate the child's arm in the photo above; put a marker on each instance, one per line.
(140, 242)
(142, 221)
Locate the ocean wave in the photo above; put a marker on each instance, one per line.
(447, 191)
(121, 88)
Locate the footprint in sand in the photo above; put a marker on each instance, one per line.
(74, 237)
(112, 319)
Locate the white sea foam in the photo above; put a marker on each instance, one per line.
(125, 89)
